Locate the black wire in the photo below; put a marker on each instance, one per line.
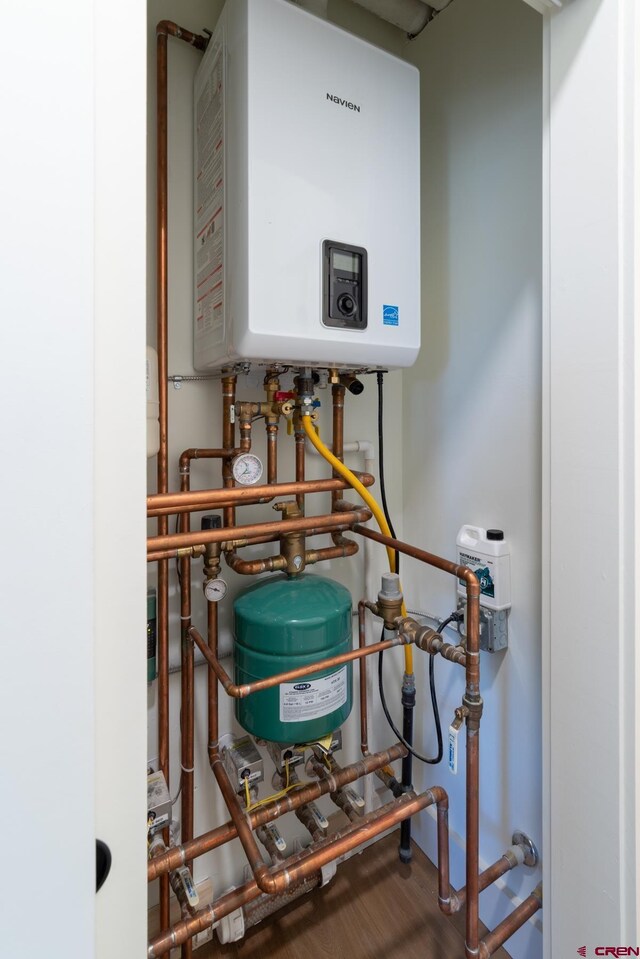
(434, 701)
(383, 493)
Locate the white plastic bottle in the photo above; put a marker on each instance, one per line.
(486, 552)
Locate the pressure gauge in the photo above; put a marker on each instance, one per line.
(215, 590)
(247, 469)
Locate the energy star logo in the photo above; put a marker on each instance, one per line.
(390, 315)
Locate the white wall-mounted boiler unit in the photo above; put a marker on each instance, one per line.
(307, 198)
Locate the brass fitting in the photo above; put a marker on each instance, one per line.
(272, 386)
(390, 600)
(473, 706)
(245, 413)
(292, 545)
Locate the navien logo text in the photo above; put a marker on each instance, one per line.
(343, 103)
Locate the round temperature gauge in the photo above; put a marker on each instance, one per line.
(247, 469)
(215, 590)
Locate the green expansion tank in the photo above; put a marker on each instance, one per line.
(282, 623)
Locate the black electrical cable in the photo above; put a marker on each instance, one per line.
(383, 493)
(434, 701)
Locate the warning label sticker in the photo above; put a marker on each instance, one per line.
(314, 698)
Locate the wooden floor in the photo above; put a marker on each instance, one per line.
(375, 908)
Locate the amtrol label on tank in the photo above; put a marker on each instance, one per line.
(313, 698)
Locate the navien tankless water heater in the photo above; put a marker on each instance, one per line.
(307, 244)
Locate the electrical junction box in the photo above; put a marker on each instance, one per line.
(242, 761)
(307, 195)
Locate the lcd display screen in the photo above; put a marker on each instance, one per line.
(350, 262)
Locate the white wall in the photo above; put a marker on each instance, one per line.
(46, 586)
(120, 474)
(591, 476)
(66, 419)
(472, 403)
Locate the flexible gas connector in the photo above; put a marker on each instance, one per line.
(353, 481)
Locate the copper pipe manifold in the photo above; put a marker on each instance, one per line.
(198, 500)
(178, 855)
(187, 540)
(293, 870)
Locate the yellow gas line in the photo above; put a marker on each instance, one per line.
(353, 481)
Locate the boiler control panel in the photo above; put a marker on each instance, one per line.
(344, 291)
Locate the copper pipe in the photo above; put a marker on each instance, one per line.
(228, 384)
(244, 415)
(212, 683)
(167, 28)
(240, 692)
(491, 874)
(251, 567)
(178, 855)
(337, 393)
(347, 547)
(300, 437)
(198, 500)
(339, 796)
(184, 540)
(521, 914)
(298, 867)
(158, 554)
(158, 848)
(163, 454)
(195, 453)
(362, 642)
(187, 707)
(447, 899)
(268, 841)
(287, 875)
(304, 814)
(203, 919)
(472, 702)
(272, 453)
(164, 29)
(430, 559)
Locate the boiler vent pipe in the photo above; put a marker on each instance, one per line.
(411, 16)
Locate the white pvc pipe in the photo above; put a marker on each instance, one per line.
(410, 15)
